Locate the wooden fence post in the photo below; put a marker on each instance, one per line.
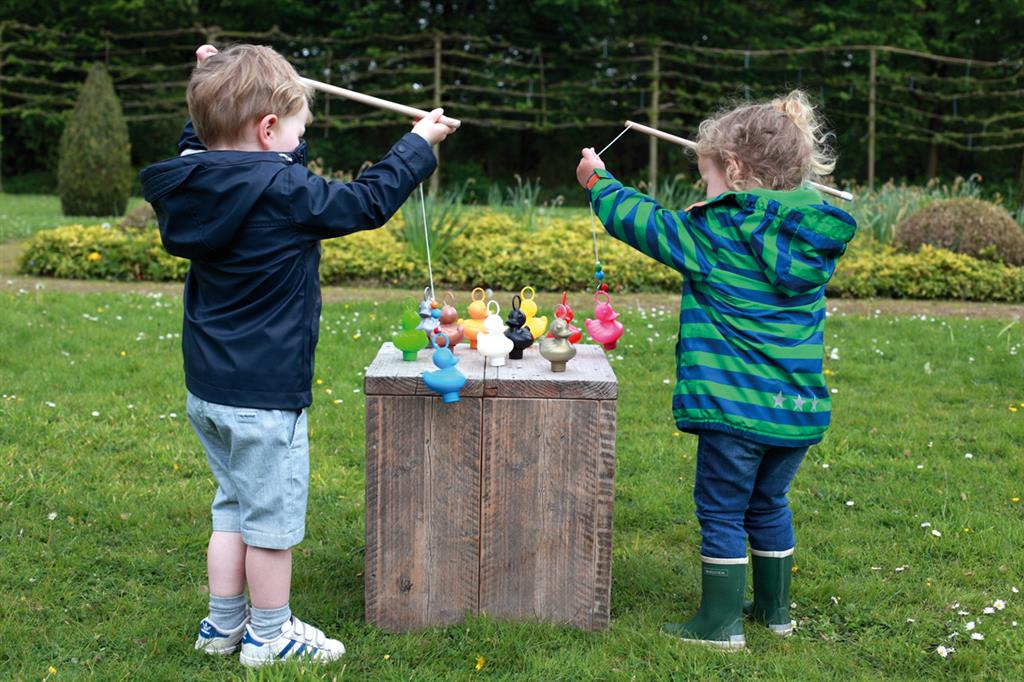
(1, 112)
(543, 91)
(327, 99)
(435, 179)
(871, 118)
(652, 143)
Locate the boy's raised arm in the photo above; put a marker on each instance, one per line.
(333, 209)
(189, 142)
(669, 237)
(325, 209)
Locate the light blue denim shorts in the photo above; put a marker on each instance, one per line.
(260, 459)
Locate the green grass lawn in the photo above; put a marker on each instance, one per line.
(105, 492)
(22, 215)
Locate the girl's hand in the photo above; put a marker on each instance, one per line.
(204, 51)
(588, 164)
(431, 129)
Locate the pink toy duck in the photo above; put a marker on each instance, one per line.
(605, 330)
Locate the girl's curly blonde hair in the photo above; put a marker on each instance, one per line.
(776, 145)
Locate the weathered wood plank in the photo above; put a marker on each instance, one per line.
(389, 374)
(500, 503)
(422, 511)
(587, 376)
(605, 501)
(542, 557)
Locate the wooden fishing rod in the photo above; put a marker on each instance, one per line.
(682, 141)
(411, 112)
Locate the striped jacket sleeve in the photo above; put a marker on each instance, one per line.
(669, 237)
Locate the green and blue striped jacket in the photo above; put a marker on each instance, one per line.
(752, 316)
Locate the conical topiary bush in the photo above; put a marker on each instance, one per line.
(94, 173)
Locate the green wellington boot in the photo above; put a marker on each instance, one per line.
(719, 620)
(771, 591)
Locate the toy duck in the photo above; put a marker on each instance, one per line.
(477, 312)
(537, 325)
(410, 340)
(556, 347)
(517, 333)
(564, 310)
(605, 330)
(449, 321)
(428, 317)
(492, 342)
(446, 380)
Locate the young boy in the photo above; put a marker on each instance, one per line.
(241, 205)
(755, 259)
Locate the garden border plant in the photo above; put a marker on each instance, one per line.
(491, 251)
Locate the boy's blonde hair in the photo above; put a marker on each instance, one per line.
(776, 145)
(237, 87)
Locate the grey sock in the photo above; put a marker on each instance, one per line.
(227, 613)
(266, 623)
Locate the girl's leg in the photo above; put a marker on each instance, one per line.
(768, 521)
(769, 525)
(726, 469)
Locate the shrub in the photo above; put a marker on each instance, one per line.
(100, 252)
(930, 274)
(494, 251)
(879, 212)
(94, 172)
(445, 221)
(967, 226)
(139, 217)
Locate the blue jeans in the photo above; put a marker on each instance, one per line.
(740, 492)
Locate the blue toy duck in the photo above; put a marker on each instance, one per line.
(447, 380)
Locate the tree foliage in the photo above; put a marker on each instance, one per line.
(94, 173)
(981, 29)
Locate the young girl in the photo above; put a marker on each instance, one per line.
(755, 258)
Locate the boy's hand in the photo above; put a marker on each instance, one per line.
(588, 164)
(430, 129)
(204, 51)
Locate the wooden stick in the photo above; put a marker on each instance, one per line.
(682, 141)
(411, 112)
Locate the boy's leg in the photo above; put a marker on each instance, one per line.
(270, 467)
(269, 574)
(221, 631)
(769, 525)
(726, 469)
(225, 565)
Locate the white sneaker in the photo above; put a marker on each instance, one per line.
(213, 640)
(297, 640)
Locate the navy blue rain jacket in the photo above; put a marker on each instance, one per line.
(251, 225)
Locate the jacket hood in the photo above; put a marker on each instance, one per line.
(202, 199)
(800, 237)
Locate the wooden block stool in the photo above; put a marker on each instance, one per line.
(499, 504)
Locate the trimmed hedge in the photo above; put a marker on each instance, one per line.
(100, 252)
(494, 252)
(929, 274)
